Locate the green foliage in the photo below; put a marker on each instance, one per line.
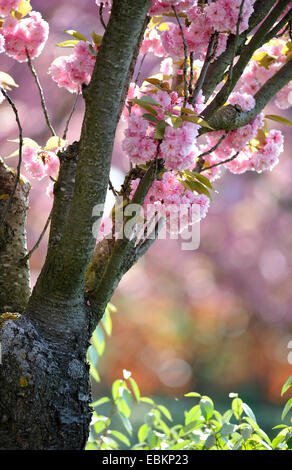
(201, 428)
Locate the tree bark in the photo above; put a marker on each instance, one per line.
(14, 273)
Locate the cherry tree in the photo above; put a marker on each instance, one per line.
(221, 63)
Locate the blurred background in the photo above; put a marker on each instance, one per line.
(215, 320)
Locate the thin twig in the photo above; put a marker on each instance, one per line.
(140, 68)
(186, 55)
(220, 163)
(200, 158)
(33, 71)
(211, 51)
(4, 214)
(39, 239)
(114, 191)
(101, 16)
(230, 74)
(70, 116)
(191, 73)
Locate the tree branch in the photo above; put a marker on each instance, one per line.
(43, 101)
(230, 118)
(11, 196)
(246, 54)
(217, 69)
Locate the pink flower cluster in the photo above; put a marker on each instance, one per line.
(220, 16)
(268, 60)
(224, 14)
(7, 5)
(177, 149)
(169, 198)
(29, 34)
(40, 163)
(72, 71)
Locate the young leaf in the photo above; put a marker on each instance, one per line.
(135, 388)
(150, 117)
(207, 407)
(76, 35)
(160, 130)
(55, 142)
(165, 411)
(203, 179)
(100, 402)
(142, 433)
(96, 38)
(121, 437)
(145, 105)
(70, 43)
(287, 408)
(282, 120)
(286, 386)
(197, 120)
(192, 394)
(237, 407)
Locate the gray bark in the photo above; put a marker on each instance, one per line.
(14, 273)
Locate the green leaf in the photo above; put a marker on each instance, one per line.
(160, 130)
(197, 120)
(94, 373)
(176, 121)
(179, 445)
(149, 99)
(111, 308)
(96, 38)
(99, 426)
(196, 186)
(121, 437)
(76, 35)
(117, 387)
(287, 408)
(98, 340)
(127, 424)
(210, 441)
(107, 323)
(100, 402)
(237, 407)
(165, 411)
(135, 388)
(248, 411)
(145, 105)
(192, 394)
(227, 429)
(286, 385)
(70, 43)
(150, 117)
(142, 432)
(151, 439)
(147, 400)
(282, 120)
(194, 414)
(203, 179)
(207, 407)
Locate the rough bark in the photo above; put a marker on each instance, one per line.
(14, 273)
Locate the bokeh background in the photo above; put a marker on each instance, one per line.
(214, 320)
